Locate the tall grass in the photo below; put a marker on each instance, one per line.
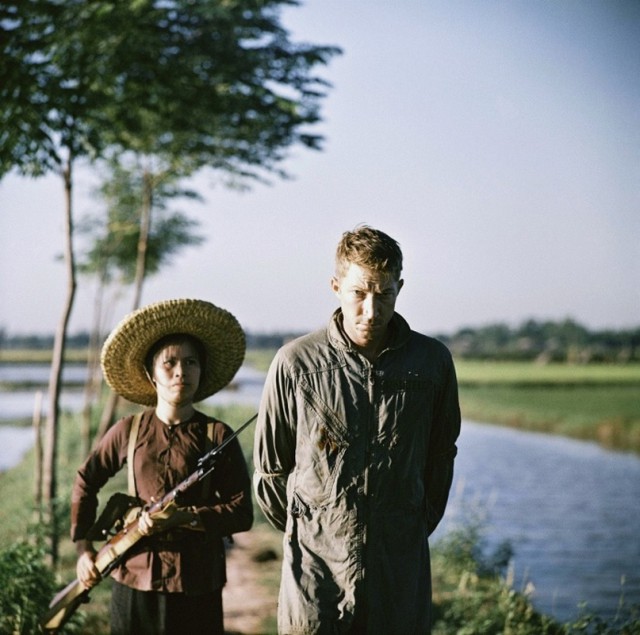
(474, 595)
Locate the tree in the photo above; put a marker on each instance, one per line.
(46, 121)
(114, 253)
(213, 83)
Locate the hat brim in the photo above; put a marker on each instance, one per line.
(124, 351)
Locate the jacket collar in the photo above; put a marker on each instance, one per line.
(399, 331)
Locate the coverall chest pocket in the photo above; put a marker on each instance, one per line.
(320, 450)
(406, 398)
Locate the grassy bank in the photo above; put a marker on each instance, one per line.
(40, 356)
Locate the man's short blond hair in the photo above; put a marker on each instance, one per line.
(369, 248)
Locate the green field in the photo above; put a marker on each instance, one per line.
(40, 356)
(595, 402)
(552, 375)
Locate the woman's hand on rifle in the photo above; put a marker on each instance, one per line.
(86, 570)
(168, 518)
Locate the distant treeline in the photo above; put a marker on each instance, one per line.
(565, 341)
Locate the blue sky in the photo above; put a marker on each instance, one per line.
(497, 141)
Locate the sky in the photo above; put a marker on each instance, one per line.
(498, 142)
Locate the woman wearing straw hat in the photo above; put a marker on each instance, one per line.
(167, 356)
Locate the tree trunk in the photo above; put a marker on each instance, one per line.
(92, 383)
(143, 238)
(55, 379)
(110, 408)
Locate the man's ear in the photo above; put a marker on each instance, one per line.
(400, 284)
(335, 285)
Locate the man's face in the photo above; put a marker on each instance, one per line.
(368, 300)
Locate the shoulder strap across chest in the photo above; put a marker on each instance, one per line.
(131, 449)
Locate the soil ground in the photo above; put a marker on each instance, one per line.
(251, 593)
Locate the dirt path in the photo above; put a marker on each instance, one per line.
(251, 594)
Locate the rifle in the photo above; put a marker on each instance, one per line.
(65, 603)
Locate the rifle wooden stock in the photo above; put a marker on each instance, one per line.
(65, 603)
(63, 606)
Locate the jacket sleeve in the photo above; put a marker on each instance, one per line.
(442, 448)
(274, 444)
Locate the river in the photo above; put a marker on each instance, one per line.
(569, 509)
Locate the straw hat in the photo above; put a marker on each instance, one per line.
(124, 351)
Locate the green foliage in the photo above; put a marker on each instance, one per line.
(625, 622)
(547, 341)
(260, 358)
(474, 598)
(114, 240)
(213, 81)
(190, 83)
(593, 401)
(472, 594)
(27, 588)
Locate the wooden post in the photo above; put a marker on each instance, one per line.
(37, 430)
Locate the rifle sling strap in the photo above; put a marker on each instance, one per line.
(133, 436)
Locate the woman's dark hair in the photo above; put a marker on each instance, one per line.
(174, 339)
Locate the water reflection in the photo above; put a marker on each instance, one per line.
(14, 444)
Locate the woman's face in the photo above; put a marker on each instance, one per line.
(176, 373)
